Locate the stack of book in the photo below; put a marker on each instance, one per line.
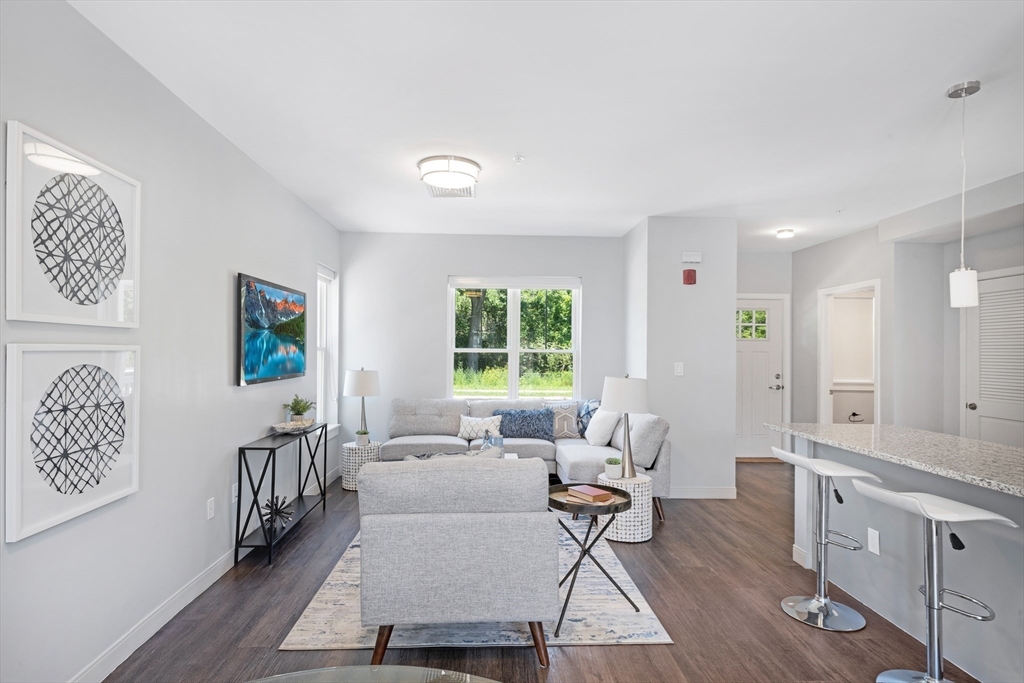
(588, 494)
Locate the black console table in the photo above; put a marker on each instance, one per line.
(269, 533)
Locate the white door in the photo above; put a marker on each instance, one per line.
(759, 381)
(994, 361)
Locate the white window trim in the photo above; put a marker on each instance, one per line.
(329, 374)
(515, 285)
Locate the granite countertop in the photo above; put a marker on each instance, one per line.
(990, 465)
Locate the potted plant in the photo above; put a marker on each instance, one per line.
(362, 438)
(299, 407)
(613, 468)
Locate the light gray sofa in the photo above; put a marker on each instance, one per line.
(431, 425)
(457, 540)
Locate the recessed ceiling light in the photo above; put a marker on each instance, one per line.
(519, 158)
(784, 233)
(448, 172)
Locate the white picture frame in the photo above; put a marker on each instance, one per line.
(72, 442)
(72, 235)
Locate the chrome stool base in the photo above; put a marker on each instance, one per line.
(823, 613)
(906, 676)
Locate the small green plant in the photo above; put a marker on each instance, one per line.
(612, 461)
(361, 432)
(299, 406)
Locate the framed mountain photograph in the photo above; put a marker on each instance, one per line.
(271, 331)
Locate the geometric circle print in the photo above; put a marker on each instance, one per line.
(78, 429)
(78, 238)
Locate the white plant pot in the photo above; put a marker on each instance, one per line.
(613, 471)
(362, 439)
(298, 418)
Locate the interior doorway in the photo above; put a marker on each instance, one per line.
(848, 350)
(762, 372)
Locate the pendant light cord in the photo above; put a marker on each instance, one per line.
(963, 184)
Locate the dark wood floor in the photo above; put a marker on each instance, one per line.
(714, 573)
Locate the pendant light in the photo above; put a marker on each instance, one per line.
(963, 282)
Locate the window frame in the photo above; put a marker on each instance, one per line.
(326, 328)
(513, 342)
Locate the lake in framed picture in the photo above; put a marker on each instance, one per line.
(271, 331)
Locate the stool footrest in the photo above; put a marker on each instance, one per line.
(829, 541)
(980, 617)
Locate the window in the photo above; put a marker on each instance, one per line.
(752, 323)
(326, 344)
(514, 338)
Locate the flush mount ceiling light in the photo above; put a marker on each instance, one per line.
(448, 172)
(963, 282)
(48, 156)
(784, 233)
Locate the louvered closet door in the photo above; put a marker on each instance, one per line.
(995, 363)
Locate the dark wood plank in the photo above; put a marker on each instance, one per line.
(714, 573)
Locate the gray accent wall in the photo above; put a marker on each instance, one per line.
(79, 597)
(635, 251)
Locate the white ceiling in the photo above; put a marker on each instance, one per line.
(777, 113)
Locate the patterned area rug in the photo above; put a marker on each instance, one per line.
(597, 615)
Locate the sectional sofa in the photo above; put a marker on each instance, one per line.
(431, 425)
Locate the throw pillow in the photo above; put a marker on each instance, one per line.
(565, 419)
(601, 427)
(646, 434)
(475, 427)
(528, 424)
(587, 410)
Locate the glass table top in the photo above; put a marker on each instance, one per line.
(375, 674)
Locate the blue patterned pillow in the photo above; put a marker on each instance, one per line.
(587, 410)
(527, 424)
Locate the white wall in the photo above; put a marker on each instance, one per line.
(71, 592)
(696, 325)
(852, 338)
(394, 306)
(635, 248)
(764, 272)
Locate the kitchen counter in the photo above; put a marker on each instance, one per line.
(984, 464)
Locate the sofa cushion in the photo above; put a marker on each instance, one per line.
(528, 424)
(586, 411)
(486, 407)
(578, 461)
(566, 413)
(416, 416)
(602, 426)
(401, 446)
(477, 427)
(646, 434)
(524, 448)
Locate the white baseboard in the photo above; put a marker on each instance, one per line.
(799, 555)
(314, 490)
(703, 492)
(113, 656)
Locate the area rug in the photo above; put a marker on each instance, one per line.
(597, 615)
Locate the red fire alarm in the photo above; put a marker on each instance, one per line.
(689, 276)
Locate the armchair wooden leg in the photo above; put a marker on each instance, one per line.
(659, 510)
(383, 636)
(537, 631)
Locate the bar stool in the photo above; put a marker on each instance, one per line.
(935, 511)
(818, 610)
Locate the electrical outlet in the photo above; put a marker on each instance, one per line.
(679, 369)
(873, 541)
(234, 493)
(209, 509)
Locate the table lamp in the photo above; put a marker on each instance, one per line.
(361, 383)
(625, 395)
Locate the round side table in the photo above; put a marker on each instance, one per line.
(354, 456)
(634, 525)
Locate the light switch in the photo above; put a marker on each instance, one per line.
(679, 369)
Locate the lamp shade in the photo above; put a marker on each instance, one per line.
(361, 383)
(963, 288)
(624, 395)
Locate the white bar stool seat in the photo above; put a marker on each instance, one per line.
(818, 610)
(935, 510)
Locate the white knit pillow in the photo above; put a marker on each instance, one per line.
(474, 427)
(602, 426)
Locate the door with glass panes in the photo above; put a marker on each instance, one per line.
(759, 381)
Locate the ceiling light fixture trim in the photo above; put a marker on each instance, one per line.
(449, 172)
(784, 233)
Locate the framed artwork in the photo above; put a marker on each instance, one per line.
(72, 235)
(72, 432)
(271, 331)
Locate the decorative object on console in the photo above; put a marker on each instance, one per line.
(271, 331)
(963, 282)
(278, 509)
(294, 426)
(566, 415)
(298, 407)
(476, 427)
(72, 235)
(72, 432)
(527, 424)
(601, 427)
(585, 414)
(625, 395)
(613, 468)
(361, 383)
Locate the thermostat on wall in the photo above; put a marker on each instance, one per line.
(691, 257)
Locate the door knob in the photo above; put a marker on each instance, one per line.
(777, 387)
(972, 406)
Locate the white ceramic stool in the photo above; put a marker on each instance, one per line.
(935, 511)
(818, 610)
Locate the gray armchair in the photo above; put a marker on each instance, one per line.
(457, 540)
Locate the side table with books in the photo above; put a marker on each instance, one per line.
(593, 500)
